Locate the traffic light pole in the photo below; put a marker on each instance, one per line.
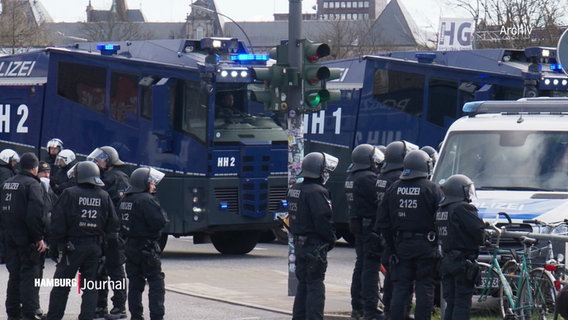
(294, 119)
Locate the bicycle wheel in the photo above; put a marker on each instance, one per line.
(511, 271)
(537, 299)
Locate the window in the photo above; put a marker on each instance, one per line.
(123, 96)
(83, 84)
(343, 4)
(331, 5)
(366, 3)
(199, 33)
(326, 5)
(354, 4)
(146, 95)
(442, 100)
(193, 109)
(400, 90)
(349, 4)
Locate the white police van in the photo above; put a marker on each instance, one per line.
(516, 152)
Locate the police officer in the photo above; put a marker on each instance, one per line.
(64, 161)
(390, 172)
(362, 204)
(142, 222)
(54, 146)
(432, 153)
(8, 161)
(460, 232)
(409, 210)
(23, 227)
(116, 183)
(81, 220)
(314, 235)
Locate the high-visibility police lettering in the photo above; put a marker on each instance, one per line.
(16, 68)
(93, 202)
(442, 215)
(126, 205)
(408, 191)
(294, 193)
(11, 186)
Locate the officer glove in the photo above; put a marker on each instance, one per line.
(355, 226)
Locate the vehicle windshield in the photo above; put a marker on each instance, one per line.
(507, 160)
(238, 118)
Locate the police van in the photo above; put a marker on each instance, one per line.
(516, 152)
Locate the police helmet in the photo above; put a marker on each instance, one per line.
(457, 187)
(431, 152)
(87, 172)
(416, 164)
(107, 153)
(395, 153)
(318, 165)
(55, 143)
(365, 156)
(65, 157)
(7, 156)
(141, 178)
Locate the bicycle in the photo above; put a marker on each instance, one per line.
(523, 293)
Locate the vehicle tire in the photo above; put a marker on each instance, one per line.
(163, 241)
(543, 293)
(267, 236)
(235, 242)
(281, 235)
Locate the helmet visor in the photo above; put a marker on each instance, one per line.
(155, 176)
(97, 155)
(470, 192)
(330, 162)
(377, 156)
(71, 172)
(15, 157)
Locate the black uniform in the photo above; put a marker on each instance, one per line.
(82, 218)
(23, 227)
(116, 183)
(384, 181)
(362, 202)
(143, 220)
(314, 235)
(6, 172)
(460, 233)
(409, 210)
(59, 180)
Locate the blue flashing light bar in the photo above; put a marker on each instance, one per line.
(223, 205)
(108, 49)
(471, 107)
(284, 203)
(244, 57)
(426, 57)
(556, 67)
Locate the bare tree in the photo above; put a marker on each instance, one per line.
(114, 31)
(18, 31)
(515, 23)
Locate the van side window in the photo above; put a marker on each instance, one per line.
(83, 84)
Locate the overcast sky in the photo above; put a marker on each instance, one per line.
(426, 13)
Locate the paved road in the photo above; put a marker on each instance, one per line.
(203, 284)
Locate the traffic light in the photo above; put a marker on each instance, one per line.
(273, 92)
(315, 76)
